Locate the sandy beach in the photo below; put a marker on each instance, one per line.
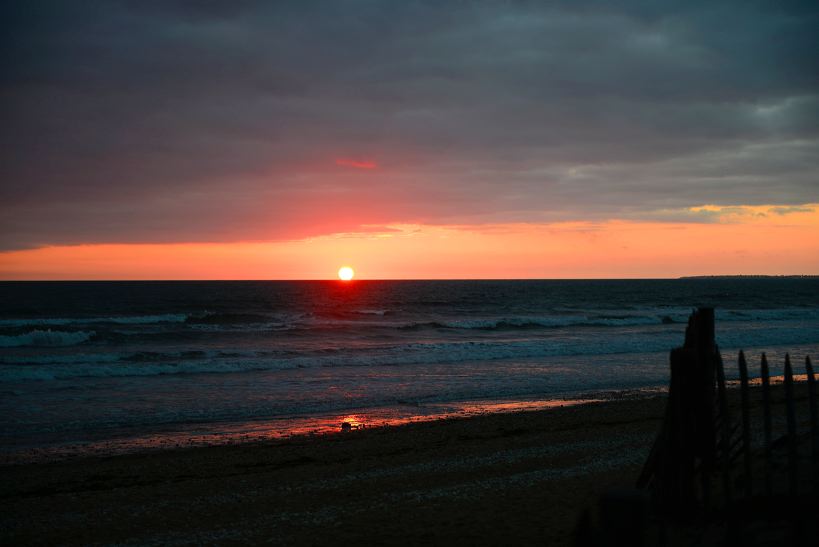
(521, 477)
(517, 477)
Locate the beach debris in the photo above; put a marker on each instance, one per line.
(349, 426)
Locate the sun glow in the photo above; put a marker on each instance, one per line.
(771, 240)
(345, 273)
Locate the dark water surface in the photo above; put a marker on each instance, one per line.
(94, 361)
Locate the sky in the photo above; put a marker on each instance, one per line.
(413, 139)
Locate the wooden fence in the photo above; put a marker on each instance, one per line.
(706, 461)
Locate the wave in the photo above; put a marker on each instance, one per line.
(385, 318)
(227, 318)
(60, 359)
(128, 357)
(509, 323)
(124, 320)
(258, 323)
(780, 314)
(153, 356)
(113, 370)
(416, 353)
(653, 317)
(47, 337)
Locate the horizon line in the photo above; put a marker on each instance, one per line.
(304, 280)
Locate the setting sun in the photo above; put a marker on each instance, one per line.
(345, 273)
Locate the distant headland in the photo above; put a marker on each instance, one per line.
(749, 277)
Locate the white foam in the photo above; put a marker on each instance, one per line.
(46, 338)
(416, 353)
(124, 320)
(404, 354)
(552, 321)
(60, 359)
(11, 373)
(781, 314)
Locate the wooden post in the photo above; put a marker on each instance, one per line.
(746, 423)
(790, 414)
(725, 436)
(766, 416)
(701, 393)
(686, 448)
(814, 422)
(678, 473)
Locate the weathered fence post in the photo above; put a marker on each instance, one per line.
(746, 423)
(701, 394)
(790, 414)
(687, 444)
(814, 422)
(725, 433)
(766, 418)
(697, 436)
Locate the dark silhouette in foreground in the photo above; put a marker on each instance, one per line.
(715, 475)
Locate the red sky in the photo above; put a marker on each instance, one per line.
(278, 140)
(736, 241)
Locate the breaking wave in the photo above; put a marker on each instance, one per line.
(540, 322)
(227, 318)
(406, 354)
(48, 338)
(384, 318)
(126, 320)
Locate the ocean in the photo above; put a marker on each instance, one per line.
(128, 365)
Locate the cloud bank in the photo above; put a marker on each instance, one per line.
(250, 121)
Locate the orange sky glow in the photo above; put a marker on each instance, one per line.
(735, 240)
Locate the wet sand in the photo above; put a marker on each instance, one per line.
(520, 478)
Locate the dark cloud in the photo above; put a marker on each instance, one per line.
(224, 121)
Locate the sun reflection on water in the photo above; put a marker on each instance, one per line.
(293, 426)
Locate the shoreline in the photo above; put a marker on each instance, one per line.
(250, 432)
(282, 428)
(476, 480)
(463, 481)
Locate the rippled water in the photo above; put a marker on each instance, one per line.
(92, 361)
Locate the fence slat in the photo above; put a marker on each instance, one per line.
(698, 440)
(766, 417)
(814, 421)
(746, 423)
(790, 414)
(725, 441)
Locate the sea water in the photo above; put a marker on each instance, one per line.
(130, 364)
